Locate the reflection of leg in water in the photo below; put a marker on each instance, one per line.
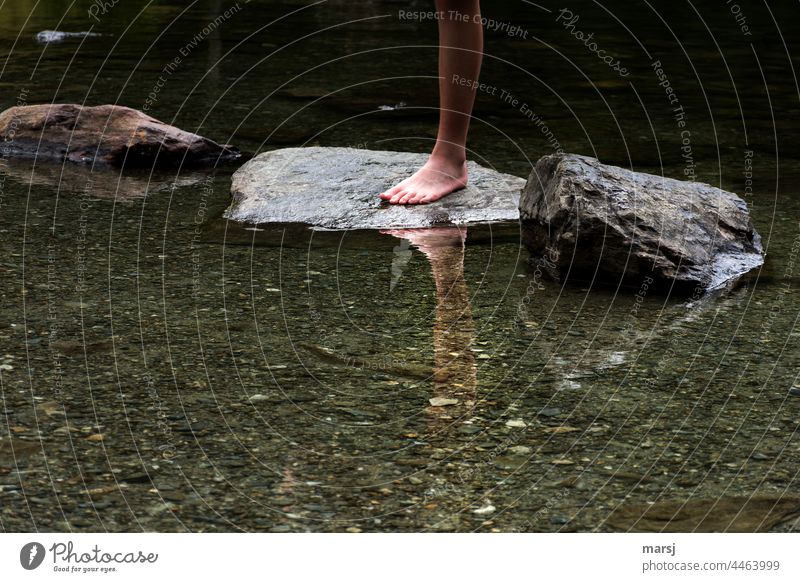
(455, 376)
(453, 330)
(460, 52)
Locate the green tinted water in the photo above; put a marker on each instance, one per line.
(282, 379)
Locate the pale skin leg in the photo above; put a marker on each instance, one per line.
(455, 371)
(460, 54)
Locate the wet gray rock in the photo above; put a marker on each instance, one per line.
(338, 188)
(582, 217)
(549, 411)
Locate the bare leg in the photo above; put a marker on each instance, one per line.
(460, 53)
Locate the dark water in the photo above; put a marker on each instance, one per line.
(282, 380)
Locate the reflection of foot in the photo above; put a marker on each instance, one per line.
(428, 240)
(436, 179)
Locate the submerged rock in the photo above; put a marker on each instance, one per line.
(48, 36)
(99, 181)
(14, 451)
(750, 514)
(584, 217)
(414, 371)
(105, 134)
(338, 188)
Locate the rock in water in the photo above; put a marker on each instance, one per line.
(48, 36)
(105, 134)
(584, 217)
(338, 188)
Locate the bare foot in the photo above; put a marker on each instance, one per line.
(434, 180)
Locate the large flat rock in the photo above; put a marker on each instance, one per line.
(338, 188)
(584, 217)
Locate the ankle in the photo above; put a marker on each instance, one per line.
(448, 158)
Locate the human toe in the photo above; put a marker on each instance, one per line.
(397, 196)
(390, 192)
(407, 197)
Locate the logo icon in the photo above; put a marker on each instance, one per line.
(31, 555)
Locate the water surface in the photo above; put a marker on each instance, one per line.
(165, 370)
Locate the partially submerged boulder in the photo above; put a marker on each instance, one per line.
(584, 217)
(338, 188)
(105, 134)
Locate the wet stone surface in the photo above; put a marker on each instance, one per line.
(589, 217)
(110, 135)
(344, 184)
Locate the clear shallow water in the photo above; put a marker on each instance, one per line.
(281, 380)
